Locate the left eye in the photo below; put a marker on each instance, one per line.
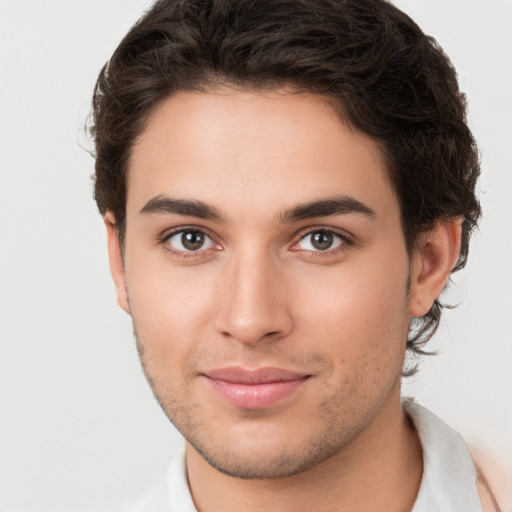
(190, 240)
(320, 240)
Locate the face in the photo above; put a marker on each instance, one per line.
(266, 273)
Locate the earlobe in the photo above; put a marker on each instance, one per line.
(434, 258)
(115, 258)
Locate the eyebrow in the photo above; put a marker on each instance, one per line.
(326, 207)
(162, 205)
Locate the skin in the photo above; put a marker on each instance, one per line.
(492, 482)
(258, 293)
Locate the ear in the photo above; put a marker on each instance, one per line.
(434, 257)
(115, 258)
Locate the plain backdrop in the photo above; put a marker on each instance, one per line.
(79, 428)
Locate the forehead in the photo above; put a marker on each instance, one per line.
(259, 151)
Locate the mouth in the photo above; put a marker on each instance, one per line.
(255, 388)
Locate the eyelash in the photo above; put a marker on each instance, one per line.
(346, 241)
(185, 229)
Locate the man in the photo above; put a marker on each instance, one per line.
(287, 187)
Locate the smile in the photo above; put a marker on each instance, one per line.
(255, 389)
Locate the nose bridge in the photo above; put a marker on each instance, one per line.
(254, 304)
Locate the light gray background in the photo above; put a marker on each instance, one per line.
(79, 429)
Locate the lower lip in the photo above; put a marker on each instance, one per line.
(255, 396)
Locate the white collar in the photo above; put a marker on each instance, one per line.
(449, 475)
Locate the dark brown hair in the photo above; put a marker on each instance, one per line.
(387, 78)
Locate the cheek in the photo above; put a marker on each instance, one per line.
(170, 310)
(365, 338)
(360, 315)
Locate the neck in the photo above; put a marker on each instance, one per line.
(379, 470)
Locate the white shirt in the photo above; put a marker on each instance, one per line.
(448, 483)
(449, 475)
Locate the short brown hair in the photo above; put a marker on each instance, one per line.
(387, 77)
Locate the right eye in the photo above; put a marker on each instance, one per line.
(321, 240)
(189, 240)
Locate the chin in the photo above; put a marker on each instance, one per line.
(262, 465)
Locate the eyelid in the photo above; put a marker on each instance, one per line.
(168, 234)
(346, 238)
(304, 232)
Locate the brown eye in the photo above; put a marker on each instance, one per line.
(190, 240)
(320, 240)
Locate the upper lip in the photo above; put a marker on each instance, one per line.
(263, 375)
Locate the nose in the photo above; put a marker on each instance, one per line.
(254, 302)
